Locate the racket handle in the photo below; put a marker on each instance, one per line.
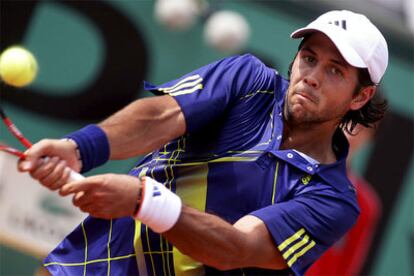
(73, 176)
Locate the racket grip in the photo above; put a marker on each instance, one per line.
(73, 176)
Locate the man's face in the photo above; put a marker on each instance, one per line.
(322, 84)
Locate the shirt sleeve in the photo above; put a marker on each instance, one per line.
(205, 93)
(306, 226)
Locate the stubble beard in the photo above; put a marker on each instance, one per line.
(301, 116)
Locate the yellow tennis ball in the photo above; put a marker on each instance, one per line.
(18, 67)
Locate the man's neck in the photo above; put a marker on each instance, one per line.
(313, 140)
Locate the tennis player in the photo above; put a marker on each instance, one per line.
(245, 171)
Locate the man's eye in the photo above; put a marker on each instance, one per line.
(336, 71)
(309, 59)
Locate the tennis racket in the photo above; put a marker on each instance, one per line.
(11, 127)
(12, 151)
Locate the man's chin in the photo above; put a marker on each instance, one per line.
(298, 112)
(301, 116)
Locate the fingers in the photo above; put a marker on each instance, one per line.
(44, 168)
(64, 149)
(77, 186)
(57, 177)
(24, 165)
(35, 153)
(104, 196)
(86, 202)
(93, 211)
(51, 172)
(87, 208)
(80, 199)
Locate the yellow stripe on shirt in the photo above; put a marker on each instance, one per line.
(301, 253)
(275, 182)
(300, 242)
(257, 92)
(109, 247)
(192, 189)
(105, 260)
(291, 239)
(142, 266)
(292, 249)
(86, 247)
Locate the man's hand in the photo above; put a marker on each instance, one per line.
(54, 171)
(104, 196)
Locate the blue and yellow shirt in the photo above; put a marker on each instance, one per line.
(229, 164)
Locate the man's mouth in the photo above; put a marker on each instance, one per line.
(307, 96)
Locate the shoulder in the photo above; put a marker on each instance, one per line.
(244, 59)
(246, 73)
(263, 76)
(342, 190)
(343, 203)
(247, 62)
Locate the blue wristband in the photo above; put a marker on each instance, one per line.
(93, 146)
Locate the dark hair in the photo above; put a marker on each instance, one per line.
(372, 112)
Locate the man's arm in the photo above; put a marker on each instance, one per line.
(139, 128)
(216, 243)
(204, 237)
(143, 126)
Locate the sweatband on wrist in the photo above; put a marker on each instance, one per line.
(93, 146)
(160, 208)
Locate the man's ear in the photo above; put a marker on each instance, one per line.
(364, 95)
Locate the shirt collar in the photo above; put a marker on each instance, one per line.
(334, 173)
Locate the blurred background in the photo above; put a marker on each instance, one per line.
(94, 55)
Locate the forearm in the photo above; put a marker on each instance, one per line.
(215, 242)
(207, 238)
(143, 126)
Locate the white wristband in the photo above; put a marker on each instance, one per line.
(160, 208)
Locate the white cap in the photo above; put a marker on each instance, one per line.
(360, 43)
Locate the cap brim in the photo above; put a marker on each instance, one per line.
(331, 31)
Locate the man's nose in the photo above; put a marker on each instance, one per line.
(313, 78)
